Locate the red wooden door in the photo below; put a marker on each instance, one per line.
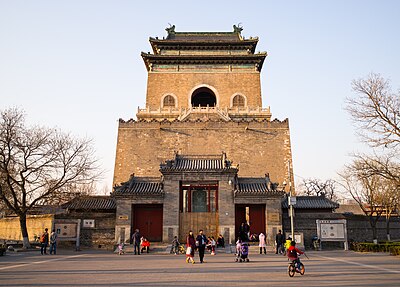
(148, 219)
(257, 218)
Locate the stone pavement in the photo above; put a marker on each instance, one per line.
(99, 268)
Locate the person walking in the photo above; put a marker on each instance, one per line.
(175, 245)
(262, 244)
(279, 239)
(136, 241)
(44, 241)
(201, 241)
(53, 242)
(190, 246)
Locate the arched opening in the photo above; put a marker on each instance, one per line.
(238, 101)
(203, 97)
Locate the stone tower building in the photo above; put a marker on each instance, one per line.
(203, 153)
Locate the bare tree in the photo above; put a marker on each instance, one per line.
(376, 111)
(366, 190)
(314, 186)
(38, 165)
(386, 167)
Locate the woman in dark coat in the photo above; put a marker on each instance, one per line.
(190, 243)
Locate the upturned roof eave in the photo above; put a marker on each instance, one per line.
(207, 59)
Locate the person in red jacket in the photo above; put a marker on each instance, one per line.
(292, 254)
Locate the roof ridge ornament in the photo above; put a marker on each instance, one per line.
(170, 29)
(238, 28)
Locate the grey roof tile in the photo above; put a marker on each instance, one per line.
(91, 202)
(254, 187)
(196, 163)
(141, 186)
(312, 202)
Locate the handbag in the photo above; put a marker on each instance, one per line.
(188, 250)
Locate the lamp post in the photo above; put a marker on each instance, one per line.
(292, 201)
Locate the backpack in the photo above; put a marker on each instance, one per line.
(292, 253)
(42, 238)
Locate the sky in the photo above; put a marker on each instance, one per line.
(76, 65)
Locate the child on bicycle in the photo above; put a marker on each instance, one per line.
(292, 252)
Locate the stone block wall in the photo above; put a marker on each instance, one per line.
(102, 235)
(258, 147)
(224, 85)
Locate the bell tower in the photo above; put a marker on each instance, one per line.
(203, 74)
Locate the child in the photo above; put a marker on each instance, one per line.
(238, 246)
(175, 245)
(121, 248)
(213, 243)
(238, 249)
(287, 245)
(145, 245)
(292, 254)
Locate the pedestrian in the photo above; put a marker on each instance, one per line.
(190, 246)
(287, 244)
(175, 245)
(136, 241)
(262, 244)
(242, 233)
(279, 239)
(201, 241)
(221, 241)
(213, 244)
(53, 242)
(44, 241)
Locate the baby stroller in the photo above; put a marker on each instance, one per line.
(243, 255)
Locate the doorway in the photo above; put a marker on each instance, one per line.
(148, 219)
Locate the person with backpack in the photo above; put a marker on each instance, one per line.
(53, 242)
(44, 241)
(292, 254)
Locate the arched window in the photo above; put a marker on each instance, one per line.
(169, 101)
(238, 101)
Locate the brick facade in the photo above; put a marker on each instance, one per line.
(211, 81)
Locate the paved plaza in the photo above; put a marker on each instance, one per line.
(92, 268)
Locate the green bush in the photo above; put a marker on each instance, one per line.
(392, 247)
(394, 250)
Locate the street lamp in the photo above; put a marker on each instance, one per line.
(291, 201)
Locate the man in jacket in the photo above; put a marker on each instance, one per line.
(201, 241)
(136, 241)
(279, 239)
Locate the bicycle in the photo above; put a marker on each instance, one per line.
(293, 270)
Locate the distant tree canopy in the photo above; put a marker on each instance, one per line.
(40, 165)
(314, 186)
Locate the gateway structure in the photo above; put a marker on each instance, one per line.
(203, 153)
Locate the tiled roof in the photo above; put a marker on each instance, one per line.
(196, 163)
(254, 187)
(201, 36)
(312, 202)
(141, 186)
(91, 202)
